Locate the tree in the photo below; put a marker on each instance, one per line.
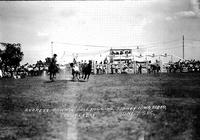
(1, 52)
(47, 61)
(11, 56)
(39, 64)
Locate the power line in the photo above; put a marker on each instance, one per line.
(191, 46)
(82, 45)
(152, 44)
(166, 49)
(163, 42)
(103, 46)
(152, 47)
(193, 40)
(159, 47)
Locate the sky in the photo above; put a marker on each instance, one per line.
(88, 29)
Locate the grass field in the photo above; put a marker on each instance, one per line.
(107, 107)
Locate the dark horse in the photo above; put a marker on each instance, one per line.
(53, 69)
(87, 69)
(155, 68)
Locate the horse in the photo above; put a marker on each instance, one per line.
(155, 68)
(81, 67)
(53, 69)
(75, 71)
(87, 69)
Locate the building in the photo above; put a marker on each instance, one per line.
(120, 55)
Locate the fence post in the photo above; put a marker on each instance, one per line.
(134, 65)
(106, 68)
(94, 67)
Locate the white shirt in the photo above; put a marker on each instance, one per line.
(1, 74)
(76, 68)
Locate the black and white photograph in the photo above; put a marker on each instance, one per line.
(100, 70)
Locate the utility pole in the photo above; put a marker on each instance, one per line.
(183, 47)
(52, 48)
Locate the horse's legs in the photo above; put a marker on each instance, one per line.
(158, 70)
(85, 76)
(88, 76)
(72, 76)
(77, 75)
(50, 75)
(54, 75)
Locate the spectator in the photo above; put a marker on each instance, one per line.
(140, 69)
(112, 68)
(116, 69)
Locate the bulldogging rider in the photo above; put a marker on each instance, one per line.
(53, 69)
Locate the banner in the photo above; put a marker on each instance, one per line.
(122, 52)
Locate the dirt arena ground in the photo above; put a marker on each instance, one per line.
(107, 107)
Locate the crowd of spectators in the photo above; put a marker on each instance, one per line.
(185, 66)
(23, 70)
(98, 68)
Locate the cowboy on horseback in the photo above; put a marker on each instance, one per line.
(87, 70)
(53, 69)
(75, 71)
